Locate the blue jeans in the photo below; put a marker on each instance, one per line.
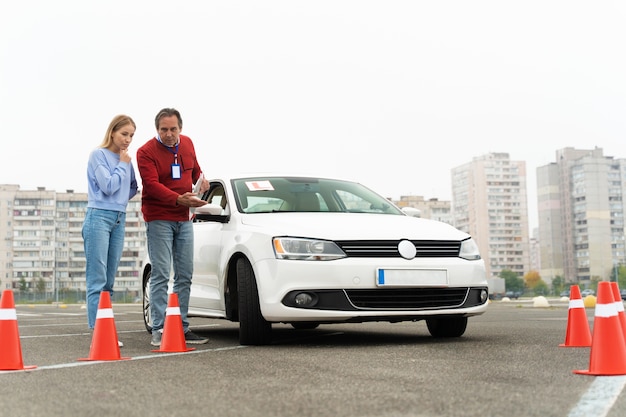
(103, 236)
(169, 244)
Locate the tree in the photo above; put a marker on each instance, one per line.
(512, 282)
(532, 278)
(593, 283)
(41, 285)
(621, 276)
(558, 284)
(541, 288)
(23, 285)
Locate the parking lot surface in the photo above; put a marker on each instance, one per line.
(508, 363)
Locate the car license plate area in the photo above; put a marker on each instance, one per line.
(411, 277)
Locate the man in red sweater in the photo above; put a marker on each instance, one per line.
(168, 167)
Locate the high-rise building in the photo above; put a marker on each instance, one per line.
(489, 202)
(44, 252)
(581, 215)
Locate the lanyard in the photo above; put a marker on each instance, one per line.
(174, 151)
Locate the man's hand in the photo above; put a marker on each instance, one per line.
(190, 200)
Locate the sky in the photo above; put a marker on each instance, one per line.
(393, 94)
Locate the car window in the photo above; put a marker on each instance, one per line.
(357, 204)
(215, 195)
(287, 194)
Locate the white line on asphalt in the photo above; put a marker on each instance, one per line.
(43, 336)
(135, 358)
(600, 397)
(71, 324)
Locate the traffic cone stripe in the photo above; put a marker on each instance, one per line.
(576, 303)
(172, 311)
(104, 313)
(605, 310)
(8, 314)
(619, 306)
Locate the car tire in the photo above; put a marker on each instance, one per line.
(447, 326)
(147, 317)
(304, 325)
(253, 328)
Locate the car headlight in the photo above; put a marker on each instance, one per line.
(306, 249)
(469, 250)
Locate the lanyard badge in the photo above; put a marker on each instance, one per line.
(176, 173)
(175, 165)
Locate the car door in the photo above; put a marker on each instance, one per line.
(206, 293)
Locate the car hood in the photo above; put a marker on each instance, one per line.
(353, 226)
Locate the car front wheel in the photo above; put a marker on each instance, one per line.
(447, 326)
(253, 328)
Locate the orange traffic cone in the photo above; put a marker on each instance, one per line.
(619, 306)
(578, 333)
(608, 347)
(10, 347)
(104, 346)
(173, 339)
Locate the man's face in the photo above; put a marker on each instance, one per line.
(169, 130)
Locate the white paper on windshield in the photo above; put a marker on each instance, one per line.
(259, 185)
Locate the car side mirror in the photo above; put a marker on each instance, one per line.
(210, 212)
(412, 211)
(211, 209)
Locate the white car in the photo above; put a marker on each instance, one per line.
(309, 251)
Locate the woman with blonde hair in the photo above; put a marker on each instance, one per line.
(111, 183)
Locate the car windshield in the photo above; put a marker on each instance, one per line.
(289, 194)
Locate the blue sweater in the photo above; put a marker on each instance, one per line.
(111, 183)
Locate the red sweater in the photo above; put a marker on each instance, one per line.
(159, 189)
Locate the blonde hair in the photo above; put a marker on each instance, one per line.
(116, 124)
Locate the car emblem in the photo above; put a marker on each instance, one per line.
(407, 249)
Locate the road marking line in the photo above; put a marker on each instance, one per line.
(24, 326)
(43, 336)
(136, 358)
(600, 397)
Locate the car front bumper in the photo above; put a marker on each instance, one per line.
(346, 290)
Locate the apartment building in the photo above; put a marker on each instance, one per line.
(489, 201)
(581, 215)
(432, 208)
(44, 250)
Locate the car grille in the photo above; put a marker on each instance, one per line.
(410, 299)
(389, 248)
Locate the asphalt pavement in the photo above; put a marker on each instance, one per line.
(508, 363)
